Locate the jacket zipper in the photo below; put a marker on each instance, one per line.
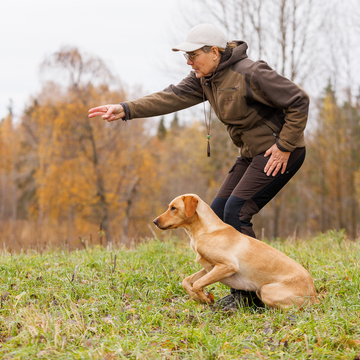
(213, 87)
(227, 89)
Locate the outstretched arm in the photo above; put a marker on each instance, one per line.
(174, 98)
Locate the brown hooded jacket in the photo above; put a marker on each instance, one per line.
(258, 106)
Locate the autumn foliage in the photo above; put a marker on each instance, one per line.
(67, 180)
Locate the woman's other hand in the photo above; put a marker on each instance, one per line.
(278, 161)
(108, 112)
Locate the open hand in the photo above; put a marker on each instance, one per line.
(278, 161)
(108, 112)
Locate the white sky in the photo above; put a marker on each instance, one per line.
(133, 37)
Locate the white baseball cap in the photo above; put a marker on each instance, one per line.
(202, 35)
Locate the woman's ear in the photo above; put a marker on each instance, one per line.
(215, 53)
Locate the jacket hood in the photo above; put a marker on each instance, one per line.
(230, 57)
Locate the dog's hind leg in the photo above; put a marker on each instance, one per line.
(189, 282)
(280, 295)
(277, 296)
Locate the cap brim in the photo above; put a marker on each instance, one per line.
(187, 47)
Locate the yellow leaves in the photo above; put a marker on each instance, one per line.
(330, 110)
(85, 168)
(8, 145)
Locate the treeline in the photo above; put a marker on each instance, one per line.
(67, 180)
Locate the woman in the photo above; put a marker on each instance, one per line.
(265, 115)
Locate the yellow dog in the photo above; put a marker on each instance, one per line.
(235, 259)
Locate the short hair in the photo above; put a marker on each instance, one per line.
(230, 45)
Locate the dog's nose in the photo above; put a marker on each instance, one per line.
(156, 221)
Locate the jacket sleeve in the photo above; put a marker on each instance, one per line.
(278, 91)
(174, 98)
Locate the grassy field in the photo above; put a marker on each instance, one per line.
(78, 305)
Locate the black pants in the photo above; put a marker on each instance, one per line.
(247, 189)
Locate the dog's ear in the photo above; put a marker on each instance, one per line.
(190, 203)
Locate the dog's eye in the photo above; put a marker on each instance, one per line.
(173, 208)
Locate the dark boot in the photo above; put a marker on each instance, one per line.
(228, 300)
(250, 299)
(238, 299)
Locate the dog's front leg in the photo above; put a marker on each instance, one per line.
(189, 282)
(218, 273)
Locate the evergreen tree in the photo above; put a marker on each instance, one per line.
(175, 126)
(161, 133)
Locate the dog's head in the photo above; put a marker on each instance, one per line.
(179, 213)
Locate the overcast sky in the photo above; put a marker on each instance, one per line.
(134, 38)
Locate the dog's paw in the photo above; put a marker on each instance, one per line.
(210, 297)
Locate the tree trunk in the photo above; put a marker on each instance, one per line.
(130, 194)
(101, 193)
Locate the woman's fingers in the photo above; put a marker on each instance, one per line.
(275, 168)
(108, 112)
(98, 111)
(277, 162)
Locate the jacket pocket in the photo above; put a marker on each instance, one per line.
(235, 134)
(258, 139)
(230, 104)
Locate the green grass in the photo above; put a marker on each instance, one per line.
(140, 311)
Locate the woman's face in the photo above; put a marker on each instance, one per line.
(204, 64)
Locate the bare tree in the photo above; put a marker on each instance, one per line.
(78, 68)
(83, 71)
(282, 32)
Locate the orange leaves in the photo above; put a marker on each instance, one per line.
(84, 169)
(210, 296)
